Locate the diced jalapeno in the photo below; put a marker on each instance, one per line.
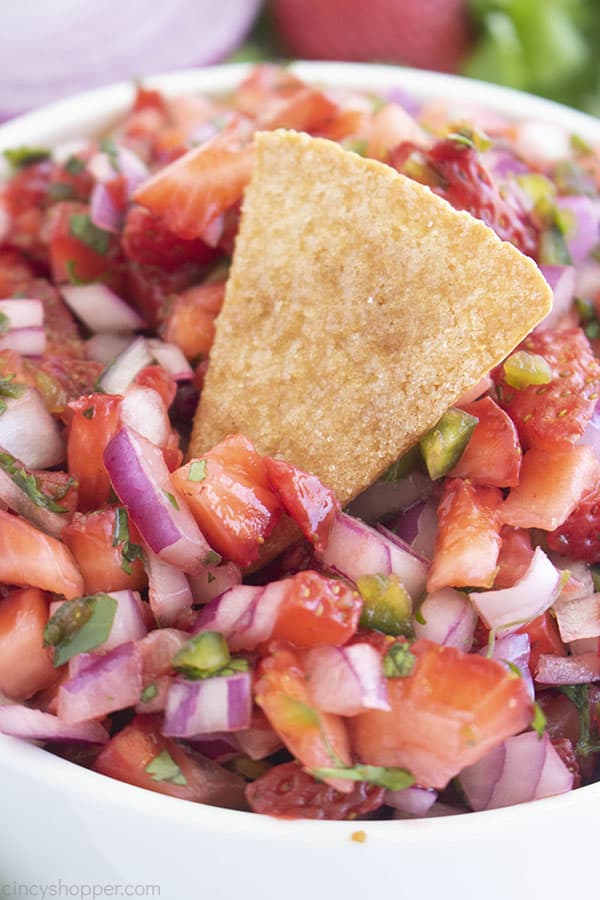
(203, 655)
(403, 466)
(522, 369)
(443, 446)
(387, 605)
(553, 248)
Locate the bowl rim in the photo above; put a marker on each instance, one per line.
(92, 110)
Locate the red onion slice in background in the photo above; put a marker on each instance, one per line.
(111, 682)
(506, 610)
(28, 431)
(568, 669)
(122, 370)
(356, 549)
(169, 591)
(101, 309)
(143, 409)
(23, 313)
(220, 703)
(385, 498)
(523, 768)
(584, 234)
(346, 680)
(141, 480)
(449, 619)
(49, 51)
(578, 618)
(413, 802)
(514, 649)
(562, 281)
(214, 581)
(35, 725)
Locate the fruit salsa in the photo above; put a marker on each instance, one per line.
(432, 647)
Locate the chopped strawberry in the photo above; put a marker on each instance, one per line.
(305, 498)
(551, 484)
(15, 273)
(78, 250)
(95, 420)
(25, 664)
(148, 241)
(557, 412)
(544, 637)
(515, 556)
(468, 539)
(450, 711)
(317, 611)
(191, 321)
(192, 191)
(151, 290)
(579, 535)
(493, 454)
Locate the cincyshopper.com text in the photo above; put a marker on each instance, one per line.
(63, 890)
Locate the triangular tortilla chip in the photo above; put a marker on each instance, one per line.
(359, 307)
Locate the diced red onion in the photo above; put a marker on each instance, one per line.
(413, 802)
(101, 309)
(157, 703)
(103, 211)
(132, 168)
(141, 480)
(26, 341)
(104, 347)
(503, 162)
(123, 369)
(523, 768)
(214, 581)
(169, 591)
(112, 682)
(356, 549)
(346, 680)
(591, 435)
(222, 613)
(580, 582)
(407, 523)
(578, 618)
(586, 231)
(387, 497)
(221, 703)
(562, 281)
(28, 431)
(587, 280)
(506, 610)
(171, 358)
(23, 313)
(101, 168)
(257, 622)
(128, 623)
(219, 746)
(449, 619)
(514, 649)
(568, 669)
(542, 143)
(16, 499)
(35, 725)
(144, 410)
(50, 52)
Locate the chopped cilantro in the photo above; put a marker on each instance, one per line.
(4, 323)
(172, 499)
(212, 558)
(82, 228)
(164, 768)
(79, 625)
(578, 694)
(10, 388)
(197, 470)
(393, 779)
(399, 662)
(74, 165)
(149, 693)
(108, 146)
(210, 577)
(129, 551)
(19, 157)
(419, 617)
(29, 484)
(538, 723)
(514, 669)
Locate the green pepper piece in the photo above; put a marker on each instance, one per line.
(443, 446)
(403, 466)
(387, 606)
(203, 655)
(553, 248)
(522, 369)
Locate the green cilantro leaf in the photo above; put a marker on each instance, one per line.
(172, 499)
(61, 190)
(19, 157)
(149, 693)
(79, 625)
(164, 768)
(10, 388)
(538, 723)
(74, 278)
(391, 778)
(578, 694)
(129, 551)
(212, 558)
(74, 165)
(82, 228)
(29, 484)
(197, 470)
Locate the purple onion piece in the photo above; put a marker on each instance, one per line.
(103, 212)
(578, 617)
(113, 681)
(584, 234)
(579, 669)
(35, 725)
(128, 623)
(514, 649)
(29, 432)
(413, 802)
(562, 281)
(346, 680)
(222, 613)
(449, 619)
(23, 313)
(221, 703)
(169, 591)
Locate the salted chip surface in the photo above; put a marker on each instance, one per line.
(359, 307)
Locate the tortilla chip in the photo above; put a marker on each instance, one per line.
(359, 307)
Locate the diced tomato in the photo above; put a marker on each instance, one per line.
(68, 182)
(579, 535)
(15, 273)
(91, 539)
(557, 412)
(562, 718)
(191, 321)
(493, 454)
(148, 241)
(544, 637)
(447, 714)
(95, 420)
(192, 191)
(468, 538)
(317, 611)
(31, 558)
(305, 498)
(159, 380)
(73, 259)
(129, 753)
(515, 556)
(288, 792)
(551, 484)
(230, 499)
(25, 664)
(316, 739)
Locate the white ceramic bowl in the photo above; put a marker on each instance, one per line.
(68, 832)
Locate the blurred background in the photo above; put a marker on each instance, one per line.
(52, 48)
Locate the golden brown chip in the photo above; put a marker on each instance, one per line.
(359, 307)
